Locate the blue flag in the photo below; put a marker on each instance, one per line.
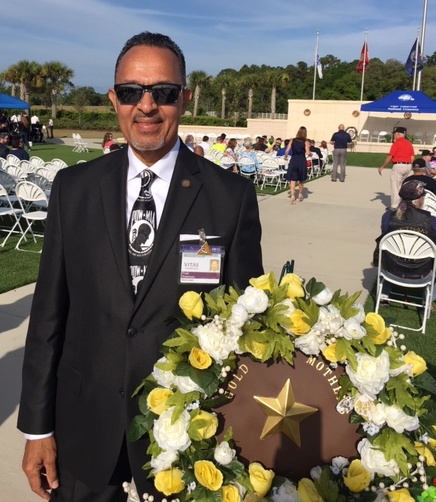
(409, 67)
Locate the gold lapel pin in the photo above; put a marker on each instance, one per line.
(186, 183)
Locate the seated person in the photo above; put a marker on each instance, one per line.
(420, 173)
(282, 151)
(424, 161)
(409, 216)
(4, 140)
(17, 144)
(318, 155)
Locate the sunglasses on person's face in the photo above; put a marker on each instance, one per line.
(162, 94)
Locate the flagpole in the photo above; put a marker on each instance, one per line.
(423, 26)
(315, 64)
(415, 65)
(364, 63)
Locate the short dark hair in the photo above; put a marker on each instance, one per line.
(205, 138)
(154, 40)
(4, 135)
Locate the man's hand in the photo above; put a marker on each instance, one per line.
(380, 169)
(39, 465)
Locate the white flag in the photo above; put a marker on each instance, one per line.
(319, 66)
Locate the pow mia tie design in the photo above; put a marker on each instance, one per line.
(142, 227)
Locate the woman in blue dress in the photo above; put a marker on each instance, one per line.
(297, 170)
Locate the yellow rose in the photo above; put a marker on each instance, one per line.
(263, 282)
(208, 475)
(417, 362)
(207, 429)
(423, 450)
(307, 491)
(157, 400)
(258, 349)
(295, 285)
(357, 478)
(330, 354)
(299, 324)
(230, 494)
(191, 304)
(169, 481)
(401, 495)
(260, 478)
(377, 323)
(432, 443)
(199, 359)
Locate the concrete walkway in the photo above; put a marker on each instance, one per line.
(330, 236)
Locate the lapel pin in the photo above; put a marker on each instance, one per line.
(186, 183)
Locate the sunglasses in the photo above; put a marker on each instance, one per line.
(162, 94)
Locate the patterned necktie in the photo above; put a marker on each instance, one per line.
(141, 230)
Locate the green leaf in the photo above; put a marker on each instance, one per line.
(394, 447)
(313, 288)
(206, 379)
(344, 349)
(426, 382)
(138, 428)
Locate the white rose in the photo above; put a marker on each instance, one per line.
(215, 342)
(353, 329)
(172, 436)
(371, 374)
(312, 343)
(400, 421)
(287, 492)
(323, 297)
(287, 302)
(163, 378)
(223, 454)
(239, 315)
(360, 316)
(315, 472)
(186, 385)
(254, 300)
(374, 460)
(339, 463)
(377, 415)
(163, 461)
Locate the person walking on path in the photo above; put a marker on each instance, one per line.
(340, 140)
(297, 169)
(100, 307)
(401, 155)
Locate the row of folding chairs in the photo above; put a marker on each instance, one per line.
(23, 204)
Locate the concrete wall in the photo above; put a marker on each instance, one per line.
(321, 118)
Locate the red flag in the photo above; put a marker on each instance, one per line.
(364, 59)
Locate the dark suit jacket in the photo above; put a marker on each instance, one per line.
(90, 341)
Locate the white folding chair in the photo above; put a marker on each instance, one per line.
(430, 202)
(270, 174)
(374, 136)
(227, 162)
(47, 172)
(8, 210)
(382, 136)
(31, 198)
(411, 248)
(59, 163)
(247, 168)
(364, 135)
(37, 161)
(16, 171)
(418, 137)
(13, 159)
(80, 145)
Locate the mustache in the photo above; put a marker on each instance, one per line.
(153, 114)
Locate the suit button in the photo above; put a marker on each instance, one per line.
(121, 392)
(132, 332)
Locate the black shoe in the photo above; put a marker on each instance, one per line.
(333, 180)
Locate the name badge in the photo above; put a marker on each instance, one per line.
(199, 268)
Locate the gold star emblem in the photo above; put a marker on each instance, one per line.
(284, 414)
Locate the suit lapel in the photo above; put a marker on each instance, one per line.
(113, 186)
(184, 187)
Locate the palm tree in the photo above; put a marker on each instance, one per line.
(276, 77)
(29, 73)
(57, 77)
(250, 81)
(223, 81)
(197, 80)
(10, 75)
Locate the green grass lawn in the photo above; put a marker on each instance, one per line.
(50, 151)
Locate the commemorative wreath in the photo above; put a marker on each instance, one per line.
(384, 387)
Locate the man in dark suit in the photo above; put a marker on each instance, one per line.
(91, 340)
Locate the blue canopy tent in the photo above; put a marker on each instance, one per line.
(9, 102)
(402, 102)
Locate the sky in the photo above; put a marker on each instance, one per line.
(87, 35)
